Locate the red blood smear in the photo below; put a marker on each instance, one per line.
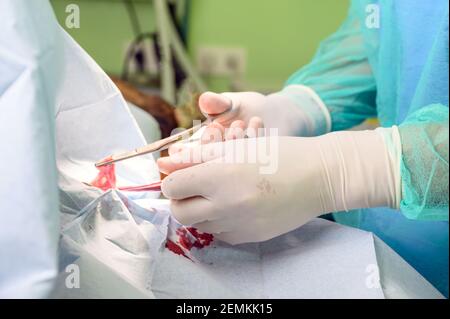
(189, 237)
(175, 248)
(106, 178)
(196, 239)
(183, 238)
(202, 239)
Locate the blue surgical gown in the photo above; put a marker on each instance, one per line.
(389, 59)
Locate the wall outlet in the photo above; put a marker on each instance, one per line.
(222, 61)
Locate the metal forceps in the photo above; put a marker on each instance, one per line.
(162, 144)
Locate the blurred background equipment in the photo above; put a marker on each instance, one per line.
(168, 48)
(163, 53)
(275, 37)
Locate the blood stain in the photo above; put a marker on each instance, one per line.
(175, 248)
(188, 238)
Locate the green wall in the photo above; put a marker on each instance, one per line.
(105, 28)
(279, 35)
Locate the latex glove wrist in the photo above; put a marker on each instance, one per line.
(306, 113)
(360, 169)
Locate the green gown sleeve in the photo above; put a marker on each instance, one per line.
(424, 163)
(341, 75)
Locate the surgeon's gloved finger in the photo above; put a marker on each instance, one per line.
(212, 227)
(240, 235)
(169, 164)
(213, 104)
(176, 148)
(189, 182)
(192, 210)
(231, 238)
(181, 156)
(255, 127)
(236, 130)
(213, 133)
(190, 156)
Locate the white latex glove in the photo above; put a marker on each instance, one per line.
(237, 203)
(295, 111)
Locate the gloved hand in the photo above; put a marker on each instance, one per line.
(229, 195)
(295, 111)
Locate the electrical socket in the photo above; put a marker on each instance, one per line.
(222, 61)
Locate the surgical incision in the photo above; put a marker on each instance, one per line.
(106, 179)
(185, 238)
